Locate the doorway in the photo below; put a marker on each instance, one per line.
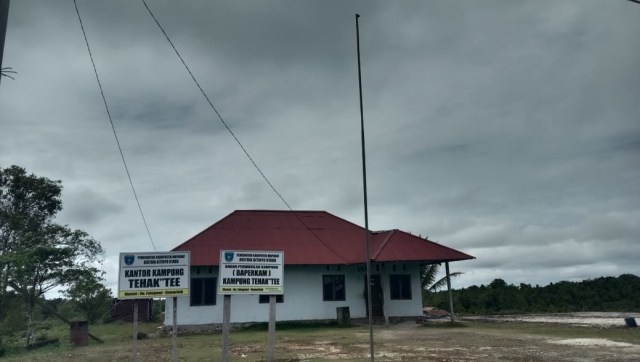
(376, 296)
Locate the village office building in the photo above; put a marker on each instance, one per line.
(324, 268)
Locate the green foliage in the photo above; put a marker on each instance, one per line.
(12, 315)
(619, 294)
(158, 310)
(90, 296)
(36, 254)
(429, 282)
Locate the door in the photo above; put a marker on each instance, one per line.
(376, 296)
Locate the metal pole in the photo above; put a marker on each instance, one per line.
(134, 353)
(4, 19)
(446, 266)
(226, 327)
(366, 211)
(174, 344)
(272, 328)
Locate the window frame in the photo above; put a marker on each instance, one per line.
(334, 293)
(400, 287)
(202, 290)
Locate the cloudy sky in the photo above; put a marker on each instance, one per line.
(509, 130)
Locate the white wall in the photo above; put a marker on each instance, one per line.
(401, 308)
(303, 297)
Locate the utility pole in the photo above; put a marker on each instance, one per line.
(4, 17)
(366, 208)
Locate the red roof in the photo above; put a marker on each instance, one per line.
(310, 237)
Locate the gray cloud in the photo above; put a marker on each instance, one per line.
(506, 130)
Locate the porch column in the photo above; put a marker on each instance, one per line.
(446, 265)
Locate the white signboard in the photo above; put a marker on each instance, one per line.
(251, 272)
(154, 275)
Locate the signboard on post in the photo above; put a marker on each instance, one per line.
(251, 272)
(154, 275)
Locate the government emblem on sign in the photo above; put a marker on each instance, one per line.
(128, 259)
(228, 256)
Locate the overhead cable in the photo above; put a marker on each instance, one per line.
(226, 126)
(115, 134)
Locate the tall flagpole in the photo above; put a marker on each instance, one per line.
(366, 211)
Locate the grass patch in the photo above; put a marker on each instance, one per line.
(322, 342)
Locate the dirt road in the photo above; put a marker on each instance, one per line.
(474, 341)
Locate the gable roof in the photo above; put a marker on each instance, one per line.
(310, 237)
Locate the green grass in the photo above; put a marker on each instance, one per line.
(316, 342)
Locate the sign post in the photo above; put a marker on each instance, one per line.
(226, 327)
(271, 338)
(250, 272)
(154, 275)
(174, 329)
(134, 353)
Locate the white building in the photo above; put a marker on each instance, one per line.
(324, 269)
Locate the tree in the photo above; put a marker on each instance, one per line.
(90, 296)
(36, 254)
(428, 275)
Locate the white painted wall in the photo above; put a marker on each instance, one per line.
(302, 298)
(402, 308)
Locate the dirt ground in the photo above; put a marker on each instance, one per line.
(473, 341)
(470, 340)
(507, 342)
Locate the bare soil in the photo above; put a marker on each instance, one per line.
(406, 341)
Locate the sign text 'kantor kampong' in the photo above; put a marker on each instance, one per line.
(251, 272)
(144, 275)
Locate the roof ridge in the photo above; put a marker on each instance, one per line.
(205, 230)
(318, 237)
(384, 243)
(279, 211)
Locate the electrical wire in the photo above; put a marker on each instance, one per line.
(226, 126)
(214, 108)
(115, 134)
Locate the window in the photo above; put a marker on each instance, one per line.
(400, 286)
(264, 298)
(203, 291)
(333, 287)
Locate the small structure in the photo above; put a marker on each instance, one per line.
(122, 310)
(324, 268)
(79, 333)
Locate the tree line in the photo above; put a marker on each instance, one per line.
(603, 294)
(38, 255)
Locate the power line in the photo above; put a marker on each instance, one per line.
(115, 134)
(253, 162)
(214, 108)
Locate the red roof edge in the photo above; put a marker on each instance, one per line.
(383, 244)
(468, 257)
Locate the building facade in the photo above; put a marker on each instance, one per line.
(324, 268)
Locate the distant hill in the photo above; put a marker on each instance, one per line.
(606, 294)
